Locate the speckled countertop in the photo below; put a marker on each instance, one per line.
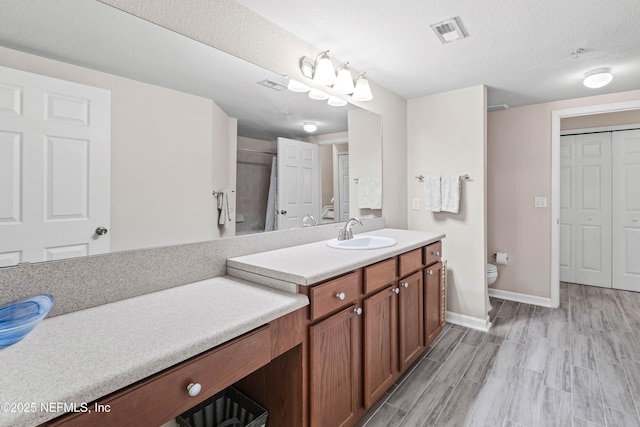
(315, 262)
(84, 355)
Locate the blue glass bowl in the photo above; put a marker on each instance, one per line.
(19, 318)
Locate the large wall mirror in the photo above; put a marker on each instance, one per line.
(115, 133)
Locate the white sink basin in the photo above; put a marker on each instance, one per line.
(362, 242)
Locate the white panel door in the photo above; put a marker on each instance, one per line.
(626, 210)
(343, 185)
(593, 209)
(567, 209)
(54, 168)
(298, 182)
(585, 209)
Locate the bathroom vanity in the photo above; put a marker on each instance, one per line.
(316, 336)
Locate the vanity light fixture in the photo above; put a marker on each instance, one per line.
(344, 81)
(334, 101)
(296, 86)
(362, 91)
(309, 127)
(597, 78)
(321, 71)
(317, 94)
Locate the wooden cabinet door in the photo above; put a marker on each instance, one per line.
(380, 323)
(334, 358)
(434, 311)
(411, 319)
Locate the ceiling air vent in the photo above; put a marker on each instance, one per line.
(272, 85)
(497, 107)
(450, 30)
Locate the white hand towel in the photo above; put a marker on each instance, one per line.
(224, 216)
(451, 193)
(433, 193)
(369, 193)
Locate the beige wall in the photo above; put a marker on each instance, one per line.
(598, 120)
(232, 28)
(447, 135)
(161, 151)
(519, 168)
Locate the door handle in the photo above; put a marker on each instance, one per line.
(283, 212)
(101, 231)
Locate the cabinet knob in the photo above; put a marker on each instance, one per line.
(429, 272)
(436, 253)
(341, 296)
(194, 389)
(357, 311)
(395, 291)
(405, 284)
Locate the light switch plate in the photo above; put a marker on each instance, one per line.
(416, 203)
(540, 202)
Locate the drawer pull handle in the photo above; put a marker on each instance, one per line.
(436, 253)
(429, 272)
(405, 285)
(395, 291)
(341, 296)
(194, 389)
(357, 311)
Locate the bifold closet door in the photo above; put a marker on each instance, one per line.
(626, 210)
(585, 209)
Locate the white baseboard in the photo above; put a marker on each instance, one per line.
(468, 321)
(518, 297)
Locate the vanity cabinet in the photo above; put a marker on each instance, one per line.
(410, 319)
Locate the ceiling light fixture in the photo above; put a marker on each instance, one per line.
(309, 127)
(321, 71)
(362, 91)
(597, 78)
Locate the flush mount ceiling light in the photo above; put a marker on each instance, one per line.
(450, 30)
(362, 91)
(321, 71)
(309, 127)
(597, 78)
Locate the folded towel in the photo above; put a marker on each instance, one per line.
(224, 215)
(450, 185)
(433, 193)
(369, 193)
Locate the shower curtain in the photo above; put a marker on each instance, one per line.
(270, 218)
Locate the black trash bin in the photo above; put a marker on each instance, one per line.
(229, 408)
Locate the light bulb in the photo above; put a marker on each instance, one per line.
(324, 73)
(317, 94)
(296, 86)
(344, 81)
(334, 101)
(362, 91)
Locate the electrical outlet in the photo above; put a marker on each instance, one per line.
(416, 203)
(540, 202)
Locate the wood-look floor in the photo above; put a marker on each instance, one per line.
(576, 365)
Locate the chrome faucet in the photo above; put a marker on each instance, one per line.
(309, 217)
(345, 232)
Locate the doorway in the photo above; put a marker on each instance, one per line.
(556, 116)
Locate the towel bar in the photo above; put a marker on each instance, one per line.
(420, 178)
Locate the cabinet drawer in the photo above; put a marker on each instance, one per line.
(410, 262)
(163, 396)
(378, 275)
(433, 253)
(334, 294)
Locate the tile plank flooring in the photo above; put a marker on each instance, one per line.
(576, 365)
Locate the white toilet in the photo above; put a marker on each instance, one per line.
(492, 274)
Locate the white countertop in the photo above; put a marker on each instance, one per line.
(315, 262)
(82, 356)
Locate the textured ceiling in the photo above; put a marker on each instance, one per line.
(520, 49)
